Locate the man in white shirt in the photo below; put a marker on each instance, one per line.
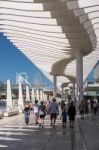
(53, 109)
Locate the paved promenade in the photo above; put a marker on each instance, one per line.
(15, 135)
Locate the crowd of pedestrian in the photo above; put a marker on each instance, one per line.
(40, 111)
(88, 106)
(53, 108)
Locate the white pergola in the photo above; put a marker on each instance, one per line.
(50, 32)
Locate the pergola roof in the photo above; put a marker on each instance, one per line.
(49, 32)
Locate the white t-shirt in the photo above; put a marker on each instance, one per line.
(94, 105)
(36, 108)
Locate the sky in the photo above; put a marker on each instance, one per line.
(91, 76)
(12, 61)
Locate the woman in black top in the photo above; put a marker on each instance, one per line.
(71, 114)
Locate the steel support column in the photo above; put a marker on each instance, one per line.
(73, 92)
(79, 75)
(55, 86)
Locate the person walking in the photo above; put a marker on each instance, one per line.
(64, 117)
(95, 107)
(62, 105)
(27, 112)
(86, 106)
(82, 109)
(42, 114)
(53, 110)
(36, 111)
(71, 114)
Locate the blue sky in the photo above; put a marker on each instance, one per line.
(12, 61)
(91, 75)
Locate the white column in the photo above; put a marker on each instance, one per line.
(55, 86)
(73, 92)
(46, 97)
(62, 92)
(33, 95)
(41, 94)
(20, 101)
(37, 94)
(27, 93)
(9, 105)
(79, 74)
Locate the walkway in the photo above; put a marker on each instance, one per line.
(15, 135)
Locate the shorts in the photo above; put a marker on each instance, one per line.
(64, 120)
(53, 115)
(42, 116)
(81, 112)
(71, 118)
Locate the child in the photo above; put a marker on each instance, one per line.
(64, 117)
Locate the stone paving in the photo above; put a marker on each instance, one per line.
(15, 135)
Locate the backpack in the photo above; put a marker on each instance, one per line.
(42, 110)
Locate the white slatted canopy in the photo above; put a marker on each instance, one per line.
(49, 32)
